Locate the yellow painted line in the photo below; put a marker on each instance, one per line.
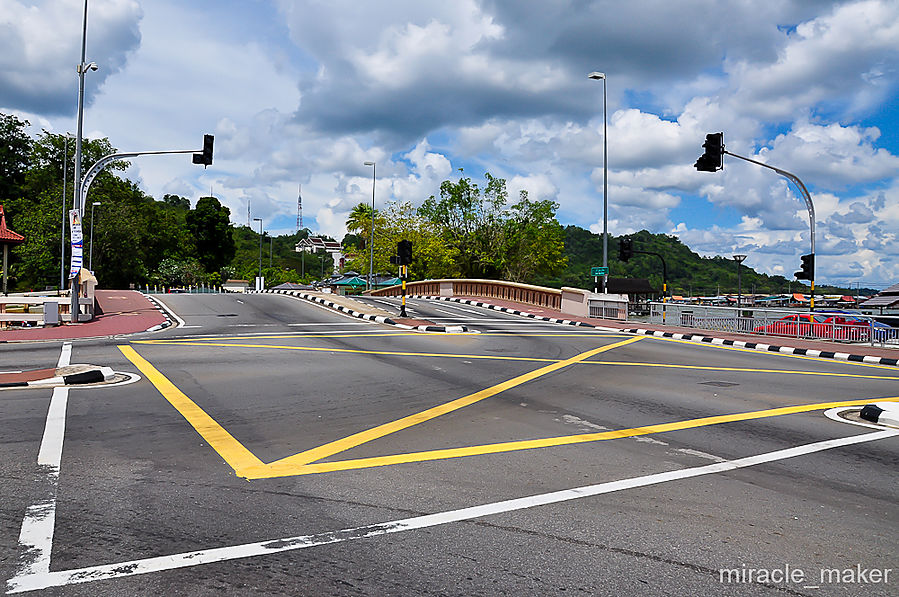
(283, 337)
(368, 435)
(744, 370)
(377, 352)
(377, 335)
(525, 359)
(234, 453)
(781, 354)
(284, 468)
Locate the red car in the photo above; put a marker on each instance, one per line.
(800, 324)
(816, 325)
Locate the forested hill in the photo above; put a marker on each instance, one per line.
(688, 273)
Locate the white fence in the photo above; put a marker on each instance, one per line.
(837, 327)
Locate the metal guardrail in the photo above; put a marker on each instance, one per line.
(775, 322)
(40, 310)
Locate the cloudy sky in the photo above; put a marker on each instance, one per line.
(303, 92)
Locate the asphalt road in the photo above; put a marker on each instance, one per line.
(269, 446)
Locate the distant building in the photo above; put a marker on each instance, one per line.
(887, 299)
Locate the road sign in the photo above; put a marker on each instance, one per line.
(599, 271)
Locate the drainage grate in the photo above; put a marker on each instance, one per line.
(718, 384)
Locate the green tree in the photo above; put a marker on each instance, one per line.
(15, 147)
(534, 241)
(209, 223)
(470, 223)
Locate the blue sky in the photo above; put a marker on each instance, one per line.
(305, 92)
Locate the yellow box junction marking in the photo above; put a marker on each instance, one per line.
(221, 441)
(247, 465)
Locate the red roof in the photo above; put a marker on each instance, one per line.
(7, 236)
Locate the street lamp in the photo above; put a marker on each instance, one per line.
(260, 250)
(605, 180)
(739, 259)
(82, 68)
(371, 243)
(90, 259)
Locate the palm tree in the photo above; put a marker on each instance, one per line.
(359, 219)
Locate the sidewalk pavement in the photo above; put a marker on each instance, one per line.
(123, 312)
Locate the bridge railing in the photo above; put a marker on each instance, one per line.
(540, 296)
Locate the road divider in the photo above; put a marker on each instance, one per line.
(882, 413)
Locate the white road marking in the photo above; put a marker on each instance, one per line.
(30, 582)
(699, 454)
(36, 536)
(170, 311)
(573, 420)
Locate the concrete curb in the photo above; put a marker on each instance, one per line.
(507, 310)
(163, 311)
(882, 413)
(453, 329)
(809, 352)
(94, 375)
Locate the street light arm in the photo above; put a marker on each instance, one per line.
(106, 160)
(795, 179)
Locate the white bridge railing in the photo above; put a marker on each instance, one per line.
(822, 325)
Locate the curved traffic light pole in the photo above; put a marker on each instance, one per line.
(808, 204)
(202, 156)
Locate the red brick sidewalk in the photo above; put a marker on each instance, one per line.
(124, 312)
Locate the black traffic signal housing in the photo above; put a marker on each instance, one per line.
(404, 252)
(710, 161)
(205, 158)
(808, 268)
(625, 249)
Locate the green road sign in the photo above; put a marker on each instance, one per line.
(599, 271)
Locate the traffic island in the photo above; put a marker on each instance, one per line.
(61, 376)
(882, 413)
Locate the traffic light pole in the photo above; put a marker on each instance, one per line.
(664, 278)
(404, 272)
(808, 204)
(201, 156)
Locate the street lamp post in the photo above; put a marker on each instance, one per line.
(739, 259)
(90, 259)
(371, 242)
(82, 68)
(260, 251)
(605, 181)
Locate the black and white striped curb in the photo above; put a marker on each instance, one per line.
(882, 413)
(809, 352)
(450, 329)
(94, 375)
(505, 310)
(168, 320)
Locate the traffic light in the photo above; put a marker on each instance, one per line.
(625, 249)
(808, 268)
(404, 252)
(205, 158)
(710, 161)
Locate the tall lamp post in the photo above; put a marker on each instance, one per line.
(82, 68)
(90, 258)
(260, 251)
(605, 180)
(371, 242)
(739, 259)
